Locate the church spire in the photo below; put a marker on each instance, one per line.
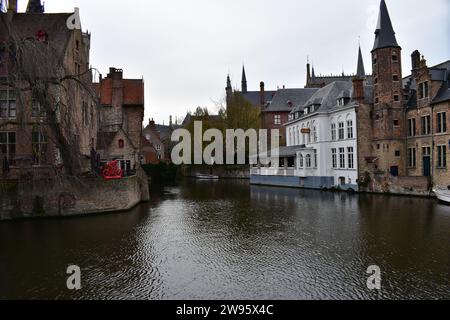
(35, 6)
(384, 34)
(244, 80)
(228, 82)
(361, 72)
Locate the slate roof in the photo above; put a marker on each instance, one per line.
(328, 95)
(326, 98)
(384, 34)
(253, 96)
(444, 92)
(280, 102)
(439, 72)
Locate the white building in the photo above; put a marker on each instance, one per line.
(323, 134)
(322, 148)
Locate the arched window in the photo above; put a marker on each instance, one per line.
(301, 161)
(121, 144)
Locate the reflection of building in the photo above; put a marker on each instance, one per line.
(376, 131)
(321, 137)
(276, 113)
(154, 151)
(121, 117)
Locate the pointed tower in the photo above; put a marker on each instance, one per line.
(360, 70)
(35, 6)
(313, 72)
(229, 91)
(244, 81)
(388, 109)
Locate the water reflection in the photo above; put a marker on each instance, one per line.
(229, 240)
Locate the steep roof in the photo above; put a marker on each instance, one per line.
(35, 6)
(287, 99)
(133, 91)
(384, 34)
(439, 72)
(444, 92)
(361, 72)
(254, 98)
(326, 98)
(27, 26)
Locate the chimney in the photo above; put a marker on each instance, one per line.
(12, 6)
(262, 95)
(308, 72)
(358, 89)
(415, 60)
(170, 121)
(116, 74)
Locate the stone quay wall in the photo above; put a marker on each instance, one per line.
(70, 196)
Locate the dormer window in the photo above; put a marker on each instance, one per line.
(341, 102)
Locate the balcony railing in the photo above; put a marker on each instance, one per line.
(274, 172)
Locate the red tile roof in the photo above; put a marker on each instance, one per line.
(133, 91)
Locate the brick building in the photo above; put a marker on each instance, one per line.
(427, 123)
(407, 122)
(121, 117)
(38, 132)
(155, 151)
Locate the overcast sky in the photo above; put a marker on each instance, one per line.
(185, 49)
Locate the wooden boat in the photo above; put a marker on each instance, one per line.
(200, 176)
(442, 195)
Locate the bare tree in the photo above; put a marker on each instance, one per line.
(37, 68)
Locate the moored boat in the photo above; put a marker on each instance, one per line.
(442, 195)
(206, 177)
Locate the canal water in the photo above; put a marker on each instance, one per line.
(230, 240)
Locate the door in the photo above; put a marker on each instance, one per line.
(394, 171)
(426, 166)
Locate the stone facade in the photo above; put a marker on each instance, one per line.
(27, 133)
(388, 124)
(42, 132)
(70, 196)
(428, 133)
(407, 123)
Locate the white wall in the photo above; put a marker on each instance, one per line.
(324, 143)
